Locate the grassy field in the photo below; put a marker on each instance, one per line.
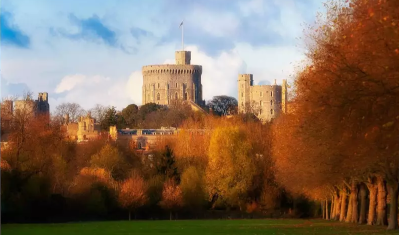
(191, 227)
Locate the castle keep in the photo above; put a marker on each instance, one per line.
(169, 83)
(265, 101)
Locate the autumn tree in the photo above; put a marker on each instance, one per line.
(109, 158)
(230, 167)
(172, 198)
(132, 193)
(347, 96)
(193, 188)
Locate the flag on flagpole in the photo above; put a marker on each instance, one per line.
(181, 24)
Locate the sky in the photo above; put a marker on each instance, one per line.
(91, 52)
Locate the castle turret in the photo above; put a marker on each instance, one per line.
(183, 57)
(245, 81)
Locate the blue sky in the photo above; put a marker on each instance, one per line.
(92, 52)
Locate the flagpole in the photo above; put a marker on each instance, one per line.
(182, 33)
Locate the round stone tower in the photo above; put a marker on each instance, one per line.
(167, 83)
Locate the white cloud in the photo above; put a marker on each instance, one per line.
(69, 82)
(134, 87)
(248, 8)
(221, 24)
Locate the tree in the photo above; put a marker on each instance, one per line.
(348, 103)
(129, 114)
(73, 110)
(110, 118)
(99, 112)
(172, 198)
(132, 194)
(192, 187)
(111, 159)
(230, 168)
(223, 105)
(167, 165)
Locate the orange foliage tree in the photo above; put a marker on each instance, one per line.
(172, 197)
(132, 194)
(346, 121)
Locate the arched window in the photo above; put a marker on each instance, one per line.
(176, 95)
(271, 103)
(158, 96)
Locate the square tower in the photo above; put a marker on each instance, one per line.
(245, 81)
(183, 57)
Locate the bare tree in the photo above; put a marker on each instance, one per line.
(74, 111)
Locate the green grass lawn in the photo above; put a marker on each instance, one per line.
(191, 227)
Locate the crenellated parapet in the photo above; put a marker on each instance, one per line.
(172, 69)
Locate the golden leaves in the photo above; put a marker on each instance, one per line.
(388, 124)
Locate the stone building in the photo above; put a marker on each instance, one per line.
(169, 83)
(34, 107)
(265, 101)
(85, 129)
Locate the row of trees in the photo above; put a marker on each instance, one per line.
(147, 116)
(339, 144)
(225, 166)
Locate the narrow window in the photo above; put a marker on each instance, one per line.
(158, 85)
(176, 95)
(158, 97)
(260, 111)
(271, 111)
(271, 93)
(260, 103)
(261, 94)
(176, 84)
(242, 94)
(271, 103)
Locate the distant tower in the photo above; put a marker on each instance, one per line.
(245, 81)
(42, 105)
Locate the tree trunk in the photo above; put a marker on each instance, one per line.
(349, 210)
(372, 203)
(393, 207)
(343, 206)
(337, 207)
(129, 215)
(323, 209)
(332, 212)
(382, 202)
(327, 211)
(355, 202)
(363, 205)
